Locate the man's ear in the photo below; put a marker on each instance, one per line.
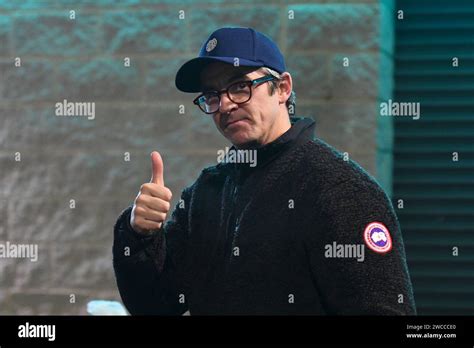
(285, 86)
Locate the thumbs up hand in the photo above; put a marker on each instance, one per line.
(152, 202)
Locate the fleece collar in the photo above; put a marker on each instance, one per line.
(302, 130)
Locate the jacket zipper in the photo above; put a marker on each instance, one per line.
(232, 223)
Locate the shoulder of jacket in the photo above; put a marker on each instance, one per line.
(209, 175)
(332, 168)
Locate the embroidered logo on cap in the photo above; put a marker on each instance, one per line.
(377, 237)
(211, 44)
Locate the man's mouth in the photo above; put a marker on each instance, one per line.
(235, 122)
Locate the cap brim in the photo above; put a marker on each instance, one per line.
(188, 77)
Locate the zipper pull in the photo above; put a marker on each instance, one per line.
(237, 224)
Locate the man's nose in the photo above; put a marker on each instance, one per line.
(226, 105)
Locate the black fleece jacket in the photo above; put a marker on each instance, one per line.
(278, 238)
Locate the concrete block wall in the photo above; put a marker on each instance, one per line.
(64, 180)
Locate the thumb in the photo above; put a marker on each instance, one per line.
(157, 168)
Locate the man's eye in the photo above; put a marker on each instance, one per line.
(240, 86)
(211, 98)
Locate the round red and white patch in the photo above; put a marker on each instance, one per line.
(377, 237)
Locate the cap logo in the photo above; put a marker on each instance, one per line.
(211, 44)
(377, 237)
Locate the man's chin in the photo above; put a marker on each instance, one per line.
(244, 143)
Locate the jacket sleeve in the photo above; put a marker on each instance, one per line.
(148, 269)
(356, 276)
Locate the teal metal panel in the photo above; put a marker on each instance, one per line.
(437, 192)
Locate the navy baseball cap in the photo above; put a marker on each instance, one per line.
(225, 45)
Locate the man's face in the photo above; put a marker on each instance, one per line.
(245, 124)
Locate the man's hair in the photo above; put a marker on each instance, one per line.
(291, 102)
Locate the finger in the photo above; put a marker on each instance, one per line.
(157, 168)
(155, 190)
(149, 225)
(150, 214)
(155, 203)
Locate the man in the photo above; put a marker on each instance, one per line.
(301, 232)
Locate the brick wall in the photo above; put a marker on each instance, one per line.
(64, 180)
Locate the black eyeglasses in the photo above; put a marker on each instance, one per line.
(238, 92)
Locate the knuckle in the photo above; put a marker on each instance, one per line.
(138, 222)
(169, 194)
(151, 225)
(146, 187)
(139, 201)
